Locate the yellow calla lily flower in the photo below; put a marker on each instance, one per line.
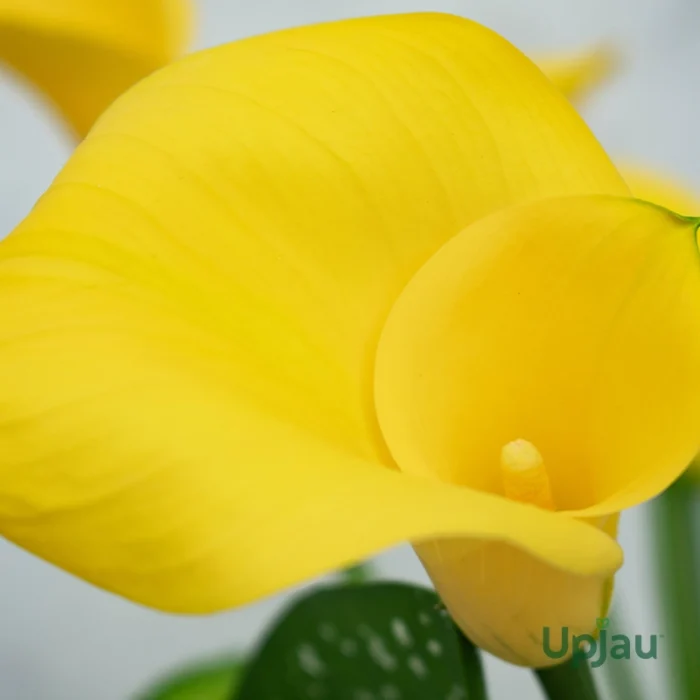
(304, 296)
(82, 54)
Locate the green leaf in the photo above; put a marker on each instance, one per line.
(212, 681)
(677, 566)
(378, 641)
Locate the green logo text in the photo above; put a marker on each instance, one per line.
(587, 647)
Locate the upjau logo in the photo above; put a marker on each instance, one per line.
(586, 647)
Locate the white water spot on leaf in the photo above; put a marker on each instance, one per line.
(400, 630)
(310, 661)
(348, 647)
(424, 619)
(417, 665)
(456, 693)
(434, 647)
(327, 632)
(380, 654)
(390, 692)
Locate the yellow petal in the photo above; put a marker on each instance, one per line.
(503, 598)
(666, 191)
(214, 521)
(580, 73)
(573, 324)
(658, 187)
(82, 54)
(189, 317)
(577, 74)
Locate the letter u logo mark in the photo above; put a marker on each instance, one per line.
(546, 643)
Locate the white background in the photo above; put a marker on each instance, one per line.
(61, 639)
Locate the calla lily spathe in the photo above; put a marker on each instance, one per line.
(293, 298)
(82, 54)
(575, 75)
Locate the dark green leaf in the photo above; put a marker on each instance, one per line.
(212, 681)
(379, 641)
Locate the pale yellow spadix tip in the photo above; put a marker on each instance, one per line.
(524, 475)
(521, 455)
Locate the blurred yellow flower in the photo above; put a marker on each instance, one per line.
(304, 296)
(82, 54)
(576, 74)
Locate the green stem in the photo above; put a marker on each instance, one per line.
(470, 656)
(677, 552)
(571, 680)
